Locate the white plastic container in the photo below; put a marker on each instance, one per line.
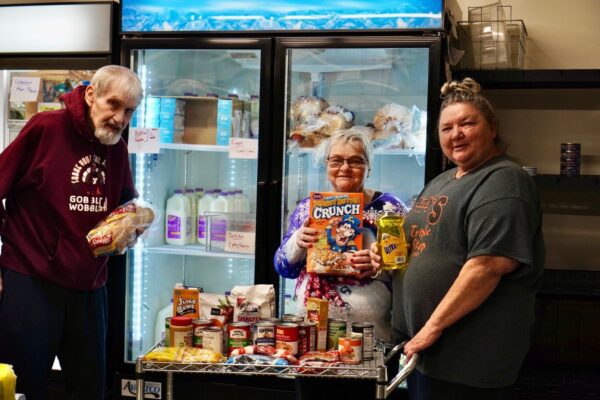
(159, 326)
(204, 204)
(190, 194)
(218, 230)
(245, 203)
(177, 219)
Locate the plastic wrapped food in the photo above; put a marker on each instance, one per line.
(305, 121)
(392, 118)
(184, 354)
(119, 229)
(334, 118)
(315, 362)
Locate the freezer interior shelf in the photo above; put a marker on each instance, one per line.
(365, 370)
(195, 250)
(195, 147)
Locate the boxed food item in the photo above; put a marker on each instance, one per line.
(172, 105)
(338, 217)
(212, 121)
(317, 310)
(186, 302)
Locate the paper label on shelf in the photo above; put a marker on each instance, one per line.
(243, 148)
(144, 140)
(24, 88)
(152, 390)
(240, 242)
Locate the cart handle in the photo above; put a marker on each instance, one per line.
(383, 390)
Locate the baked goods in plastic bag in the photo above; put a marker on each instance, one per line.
(334, 118)
(392, 119)
(184, 354)
(118, 229)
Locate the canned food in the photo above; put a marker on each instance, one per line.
(198, 326)
(570, 159)
(336, 328)
(292, 318)
(350, 348)
(264, 336)
(238, 335)
(366, 329)
(167, 338)
(286, 337)
(307, 337)
(212, 339)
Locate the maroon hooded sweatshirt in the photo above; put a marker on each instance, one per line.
(59, 181)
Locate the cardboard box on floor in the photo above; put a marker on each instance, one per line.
(211, 121)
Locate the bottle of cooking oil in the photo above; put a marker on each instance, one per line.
(391, 240)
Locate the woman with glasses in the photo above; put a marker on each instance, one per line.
(367, 298)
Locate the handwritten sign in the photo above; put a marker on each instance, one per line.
(144, 140)
(243, 148)
(240, 242)
(24, 88)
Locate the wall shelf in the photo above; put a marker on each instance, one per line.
(533, 78)
(582, 182)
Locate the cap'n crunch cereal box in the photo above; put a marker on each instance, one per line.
(338, 217)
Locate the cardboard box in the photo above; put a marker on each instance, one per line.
(317, 310)
(211, 121)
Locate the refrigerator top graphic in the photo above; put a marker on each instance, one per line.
(280, 15)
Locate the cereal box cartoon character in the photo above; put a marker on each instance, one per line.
(346, 230)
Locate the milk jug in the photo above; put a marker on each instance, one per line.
(204, 205)
(177, 219)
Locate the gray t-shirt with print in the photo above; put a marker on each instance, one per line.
(493, 210)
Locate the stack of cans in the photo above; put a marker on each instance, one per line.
(570, 159)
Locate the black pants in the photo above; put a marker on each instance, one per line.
(422, 387)
(40, 320)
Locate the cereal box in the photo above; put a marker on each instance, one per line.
(317, 311)
(338, 217)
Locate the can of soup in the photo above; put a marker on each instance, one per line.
(366, 329)
(286, 337)
(212, 339)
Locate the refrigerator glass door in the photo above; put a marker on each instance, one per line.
(204, 103)
(383, 91)
(27, 92)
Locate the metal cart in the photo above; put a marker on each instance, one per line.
(374, 369)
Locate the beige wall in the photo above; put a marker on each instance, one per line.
(563, 34)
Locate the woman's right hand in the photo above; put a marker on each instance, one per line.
(375, 257)
(306, 237)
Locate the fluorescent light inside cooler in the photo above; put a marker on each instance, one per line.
(65, 28)
(138, 259)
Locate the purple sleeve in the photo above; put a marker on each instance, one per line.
(283, 266)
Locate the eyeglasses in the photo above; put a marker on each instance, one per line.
(354, 163)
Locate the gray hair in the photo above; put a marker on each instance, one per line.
(123, 77)
(351, 135)
(469, 91)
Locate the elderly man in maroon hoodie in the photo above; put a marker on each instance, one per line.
(65, 171)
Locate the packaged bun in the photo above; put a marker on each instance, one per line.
(307, 108)
(391, 119)
(334, 118)
(119, 229)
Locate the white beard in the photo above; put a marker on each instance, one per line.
(107, 137)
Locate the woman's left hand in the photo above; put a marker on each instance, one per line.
(361, 260)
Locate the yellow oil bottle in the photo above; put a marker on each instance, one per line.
(391, 241)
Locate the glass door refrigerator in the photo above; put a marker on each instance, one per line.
(242, 68)
(203, 96)
(385, 86)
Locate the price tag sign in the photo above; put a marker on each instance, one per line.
(240, 242)
(243, 148)
(24, 88)
(144, 140)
